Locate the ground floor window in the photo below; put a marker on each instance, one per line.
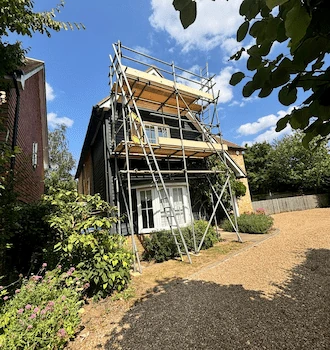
(155, 214)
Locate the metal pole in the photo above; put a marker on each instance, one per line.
(184, 161)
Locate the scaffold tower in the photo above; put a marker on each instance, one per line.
(145, 88)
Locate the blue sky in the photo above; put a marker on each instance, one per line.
(77, 61)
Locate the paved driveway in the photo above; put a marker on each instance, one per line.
(275, 295)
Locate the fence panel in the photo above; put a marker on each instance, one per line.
(280, 205)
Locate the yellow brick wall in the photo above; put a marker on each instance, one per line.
(244, 203)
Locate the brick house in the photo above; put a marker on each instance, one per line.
(24, 118)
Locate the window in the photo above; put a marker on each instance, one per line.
(146, 209)
(154, 213)
(151, 133)
(154, 131)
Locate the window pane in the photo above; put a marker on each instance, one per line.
(144, 219)
(151, 218)
(143, 199)
(150, 131)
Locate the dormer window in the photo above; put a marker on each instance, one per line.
(154, 131)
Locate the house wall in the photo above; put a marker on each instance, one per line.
(29, 180)
(85, 180)
(244, 203)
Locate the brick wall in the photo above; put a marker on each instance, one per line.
(29, 181)
(244, 203)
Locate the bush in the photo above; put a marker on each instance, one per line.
(43, 313)
(83, 224)
(250, 223)
(161, 246)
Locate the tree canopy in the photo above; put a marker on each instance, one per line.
(62, 162)
(288, 166)
(304, 26)
(21, 18)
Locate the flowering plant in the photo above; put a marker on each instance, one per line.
(43, 313)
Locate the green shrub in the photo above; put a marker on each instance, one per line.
(161, 246)
(83, 224)
(43, 313)
(250, 223)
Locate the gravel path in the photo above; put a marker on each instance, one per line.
(275, 295)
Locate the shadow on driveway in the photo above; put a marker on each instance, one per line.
(202, 315)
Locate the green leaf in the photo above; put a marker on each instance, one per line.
(188, 14)
(279, 77)
(253, 62)
(242, 31)
(236, 78)
(273, 3)
(282, 123)
(296, 24)
(248, 89)
(261, 76)
(287, 95)
(179, 5)
(265, 91)
(249, 9)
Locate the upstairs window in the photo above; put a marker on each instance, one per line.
(154, 131)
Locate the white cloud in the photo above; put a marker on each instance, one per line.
(216, 21)
(49, 93)
(271, 134)
(54, 120)
(222, 84)
(262, 123)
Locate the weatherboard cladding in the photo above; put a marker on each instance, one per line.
(98, 162)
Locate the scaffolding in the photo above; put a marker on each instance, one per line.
(169, 92)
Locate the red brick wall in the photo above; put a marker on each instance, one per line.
(29, 181)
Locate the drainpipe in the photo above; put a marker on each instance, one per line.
(15, 129)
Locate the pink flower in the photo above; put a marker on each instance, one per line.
(62, 333)
(44, 265)
(51, 304)
(72, 269)
(6, 297)
(86, 285)
(28, 307)
(20, 311)
(43, 311)
(36, 310)
(33, 316)
(59, 267)
(29, 326)
(17, 291)
(1, 287)
(63, 297)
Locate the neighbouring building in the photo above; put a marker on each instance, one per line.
(24, 120)
(150, 140)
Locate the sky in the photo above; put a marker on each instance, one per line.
(77, 62)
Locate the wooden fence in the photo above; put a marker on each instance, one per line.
(279, 205)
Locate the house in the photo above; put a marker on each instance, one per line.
(149, 144)
(24, 124)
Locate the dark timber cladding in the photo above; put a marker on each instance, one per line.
(161, 123)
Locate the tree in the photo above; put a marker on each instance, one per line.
(61, 161)
(304, 26)
(288, 166)
(257, 162)
(19, 17)
(296, 168)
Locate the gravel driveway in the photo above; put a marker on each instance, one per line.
(275, 295)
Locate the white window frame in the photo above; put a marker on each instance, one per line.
(156, 206)
(156, 128)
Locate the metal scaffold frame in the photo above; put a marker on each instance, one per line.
(127, 94)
